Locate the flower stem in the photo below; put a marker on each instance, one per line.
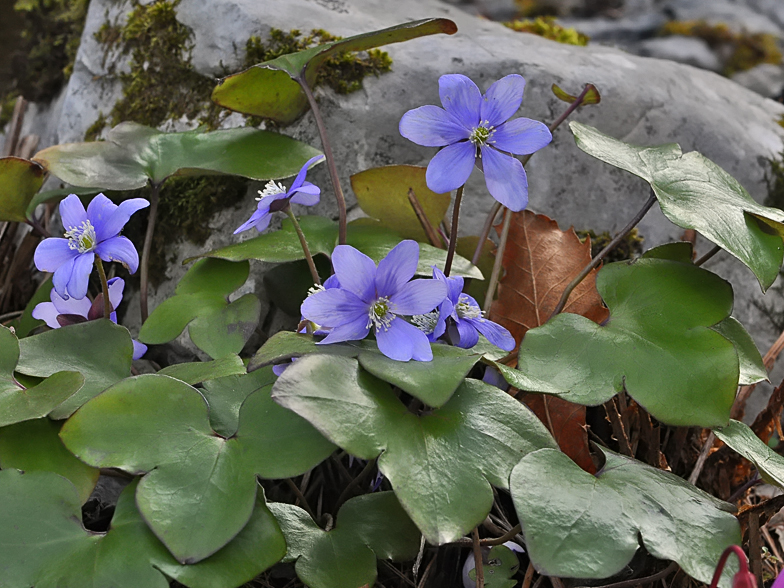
(305, 248)
(107, 305)
(450, 253)
(478, 561)
(499, 258)
(739, 553)
(145, 262)
(708, 255)
(333, 170)
(603, 253)
(486, 231)
(430, 231)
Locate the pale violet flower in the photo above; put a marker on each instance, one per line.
(475, 129)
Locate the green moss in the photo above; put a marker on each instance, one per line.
(343, 73)
(743, 50)
(94, 130)
(628, 248)
(7, 108)
(545, 26)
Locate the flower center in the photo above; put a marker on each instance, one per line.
(380, 314)
(82, 238)
(467, 310)
(271, 189)
(480, 136)
(426, 322)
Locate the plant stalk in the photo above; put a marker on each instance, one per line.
(499, 257)
(430, 231)
(144, 275)
(305, 248)
(479, 567)
(602, 254)
(107, 305)
(450, 253)
(333, 170)
(707, 256)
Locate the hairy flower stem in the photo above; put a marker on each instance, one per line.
(107, 305)
(739, 553)
(333, 170)
(603, 253)
(450, 253)
(144, 272)
(305, 248)
(499, 257)
(497, 205)
(478, 562)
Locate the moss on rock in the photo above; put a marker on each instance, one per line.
(545, 26)
(629, 248)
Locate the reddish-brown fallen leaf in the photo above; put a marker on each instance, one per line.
(540, 260)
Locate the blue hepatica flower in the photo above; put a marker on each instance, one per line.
(460, 317)
(274, 197)
(91, 232)
(475, 130)
(377, 297)
(61, 312)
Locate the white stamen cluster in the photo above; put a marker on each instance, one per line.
(271, 189)
(482, 134)
(380, 314)
(315, 288)
(467, 310)
(82, 238)
(426, 322)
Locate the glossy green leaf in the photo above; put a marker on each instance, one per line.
(34, 446)
(197, 372)
(134, 155)
(432, 382)
(45, 545)
(269, 90)
(658, 345)
(442, 464)
(369, 526)
(502, 564)
(681, 251)
(20, 179)
(199, 488)
(25, 324)
(226, 395)
(171, 316)
(99, 350)
(743, 440)
(583, 526)
(695, 193)
(752, 369)
(382, 193)
(225, 331)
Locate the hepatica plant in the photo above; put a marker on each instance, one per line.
(277, 427)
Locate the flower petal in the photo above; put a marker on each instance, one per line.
(403, 341)
(397, 268)
(450, 167)
(505, 178)
(352, 331)
(80, 306)
(254, 220)
(502, 99)
(356, 272)
(307, 195)
(61, 277)
(45, 311)
(461, 98)
(108, 218)
(52, 253)
(468, 334)
(431, 126)
(139, 349)
(80, 276)
(495, 333)
(303, 172)
(72, 212)
(418, 297)
(116, 287)
(334, 307)
(521, 136)
(119, 249)
(454, 286)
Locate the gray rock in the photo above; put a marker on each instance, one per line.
(740, 15)
(766, 79)
(688, 50)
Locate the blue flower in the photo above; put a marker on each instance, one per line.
(274, 198)
(460, 317)
(475, 130)
(61, 312)
(95, 231)
(376, 297)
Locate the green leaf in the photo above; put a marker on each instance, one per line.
(681, 251)
(283, 245)
(25, 324)
(502, 564)
(57, 195)
(695, 193)
(99, 350)
(225, 331)
(226, 395)
(269, 89)
(592, 96)
(583, 526)
(432, 382)
(658, 345)
(288, 284)
(199, 488)
(134, 155)
(34, 446)
(743, 440)
(369, 526)
(198, 371)
(441, 465)
(20, 179)
(45, 545)
(752, 369)
(382, 193)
